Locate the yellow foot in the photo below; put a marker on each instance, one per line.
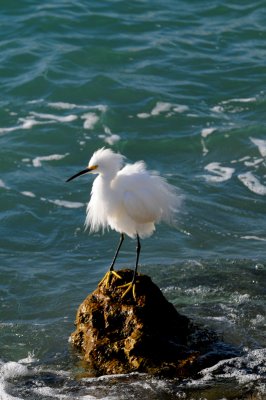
(107, 277)
(130, 286)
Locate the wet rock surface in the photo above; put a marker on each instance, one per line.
(118, 334)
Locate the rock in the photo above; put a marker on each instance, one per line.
(121, 335)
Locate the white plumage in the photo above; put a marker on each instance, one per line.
(129, 200)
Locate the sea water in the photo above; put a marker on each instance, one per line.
(180, 85)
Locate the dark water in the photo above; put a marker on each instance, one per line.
(180, 85)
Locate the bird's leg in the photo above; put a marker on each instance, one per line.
(117, 251)
(132, 285)
(107, 276)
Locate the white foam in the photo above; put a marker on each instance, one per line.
(164, 107)
(253, 163)
(35, 101)
(204, 148)
(29, 194)
(241, 100)
(13, 369)
(102, 136)
(90, 120)
(89, 397)
(112, 139)
(180, 108)
(252, 183)
(217, 109)
(101, 107)
(7, 130)
(61, 105)
(240, 160)
(107, 130)
(65, 203)
(207, 131)
(53, 393)
(37, 161)
(222, 173)
(258, 320)
(252, 237)
(244, 369)
(8, 371)
(200, 290)
(4, 395)
(29, 122)
(143, 115)
(161, 107)
(26, 123)
(261, 144)
(239, 298)
(57, 118)
(3, 185)
(29, 359)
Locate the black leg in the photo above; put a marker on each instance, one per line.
(137, 259)
(117, 251)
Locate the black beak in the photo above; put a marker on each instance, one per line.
(84, 171)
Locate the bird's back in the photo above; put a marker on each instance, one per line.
(131, 202)
(147, 197)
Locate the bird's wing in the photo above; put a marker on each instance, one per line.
(131, 181)
(139, 207)
(146, 196)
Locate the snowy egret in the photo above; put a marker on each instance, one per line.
(129, 200)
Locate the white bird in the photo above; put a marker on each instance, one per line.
(129, 200)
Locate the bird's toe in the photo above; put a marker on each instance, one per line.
(130, 286)
(107, 278)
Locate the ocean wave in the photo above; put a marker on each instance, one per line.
(30, 377)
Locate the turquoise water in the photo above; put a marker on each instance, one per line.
(178, 84)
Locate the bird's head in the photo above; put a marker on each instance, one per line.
(104, 162)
